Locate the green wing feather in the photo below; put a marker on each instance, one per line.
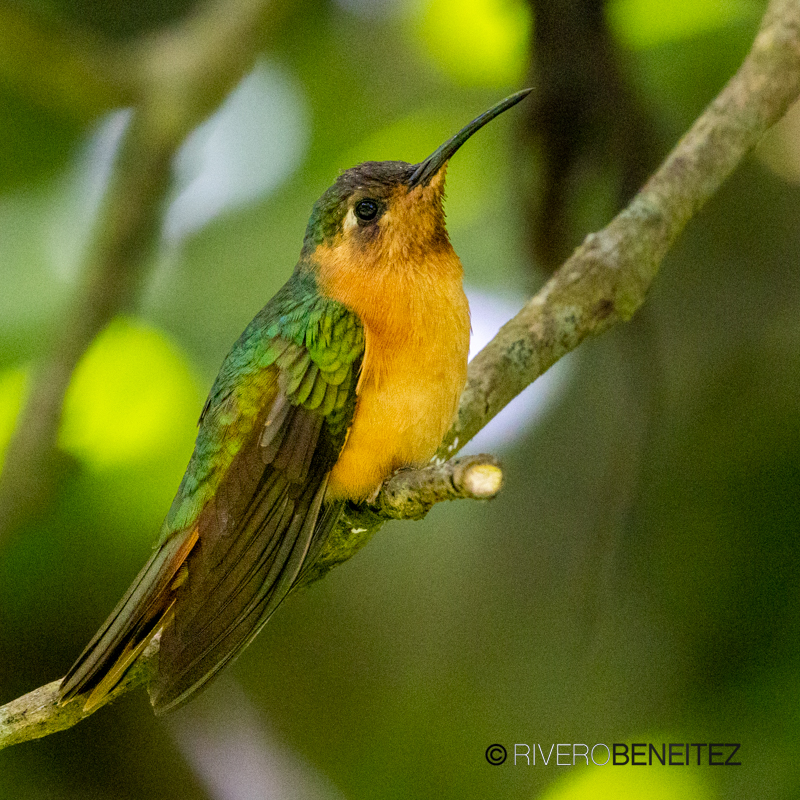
(250, 514)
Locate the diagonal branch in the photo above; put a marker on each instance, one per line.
(607, 278)
(604, 282)
(407, 494)
(38, 713)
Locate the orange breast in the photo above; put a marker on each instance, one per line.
(407, 397)
(416, 325)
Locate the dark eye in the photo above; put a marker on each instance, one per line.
(366, 210)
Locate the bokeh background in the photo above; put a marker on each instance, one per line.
(638, 578)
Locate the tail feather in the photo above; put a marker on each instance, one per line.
(130, 653)
(140, 614)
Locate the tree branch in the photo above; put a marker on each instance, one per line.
(38, 713)
(607, 278)
(71, 74)
(604, 282)
(411, 493)
(175, 79)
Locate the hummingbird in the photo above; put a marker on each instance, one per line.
(353, 370)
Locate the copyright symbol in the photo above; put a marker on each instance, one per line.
(496, 754)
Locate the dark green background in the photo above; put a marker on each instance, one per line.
(638, 578)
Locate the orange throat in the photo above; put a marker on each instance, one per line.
(416, 325)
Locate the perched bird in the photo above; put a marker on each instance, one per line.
(351, 371)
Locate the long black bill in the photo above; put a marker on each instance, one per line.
(425, 170)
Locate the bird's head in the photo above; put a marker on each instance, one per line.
(387, 213)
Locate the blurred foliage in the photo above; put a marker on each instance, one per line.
(117, 21)
(493, 32)
(640, 571)
(151, 397)
(641, 25)
(51, 85)
(656, 783)
(13, 383)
